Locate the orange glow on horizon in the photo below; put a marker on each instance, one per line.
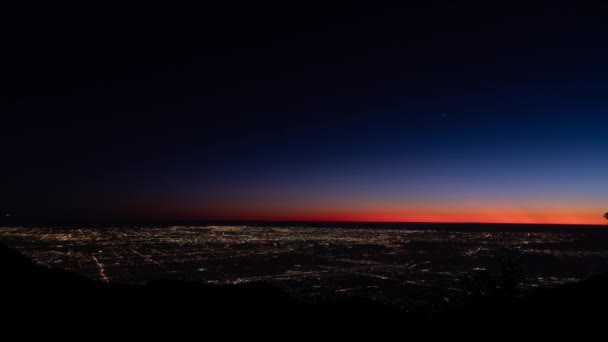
(430, 218)
(506, 216)
(478, 212)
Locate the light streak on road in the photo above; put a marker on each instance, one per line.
(102, 271)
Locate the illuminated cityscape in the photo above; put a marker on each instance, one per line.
(401, 264)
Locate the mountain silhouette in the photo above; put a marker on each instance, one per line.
(24, 283)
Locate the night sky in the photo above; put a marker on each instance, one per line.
(442, 112)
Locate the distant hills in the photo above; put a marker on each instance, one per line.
(24, 283)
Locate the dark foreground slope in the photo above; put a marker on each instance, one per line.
(578, 304)
(25, 284)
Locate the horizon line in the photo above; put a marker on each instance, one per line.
(177, 221)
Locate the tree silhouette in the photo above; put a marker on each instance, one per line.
(606, 217)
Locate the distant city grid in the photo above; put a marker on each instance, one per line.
(406, 265)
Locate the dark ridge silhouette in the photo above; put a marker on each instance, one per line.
(495, 301)
(25, 284)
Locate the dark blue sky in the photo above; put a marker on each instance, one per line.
(441, 112)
